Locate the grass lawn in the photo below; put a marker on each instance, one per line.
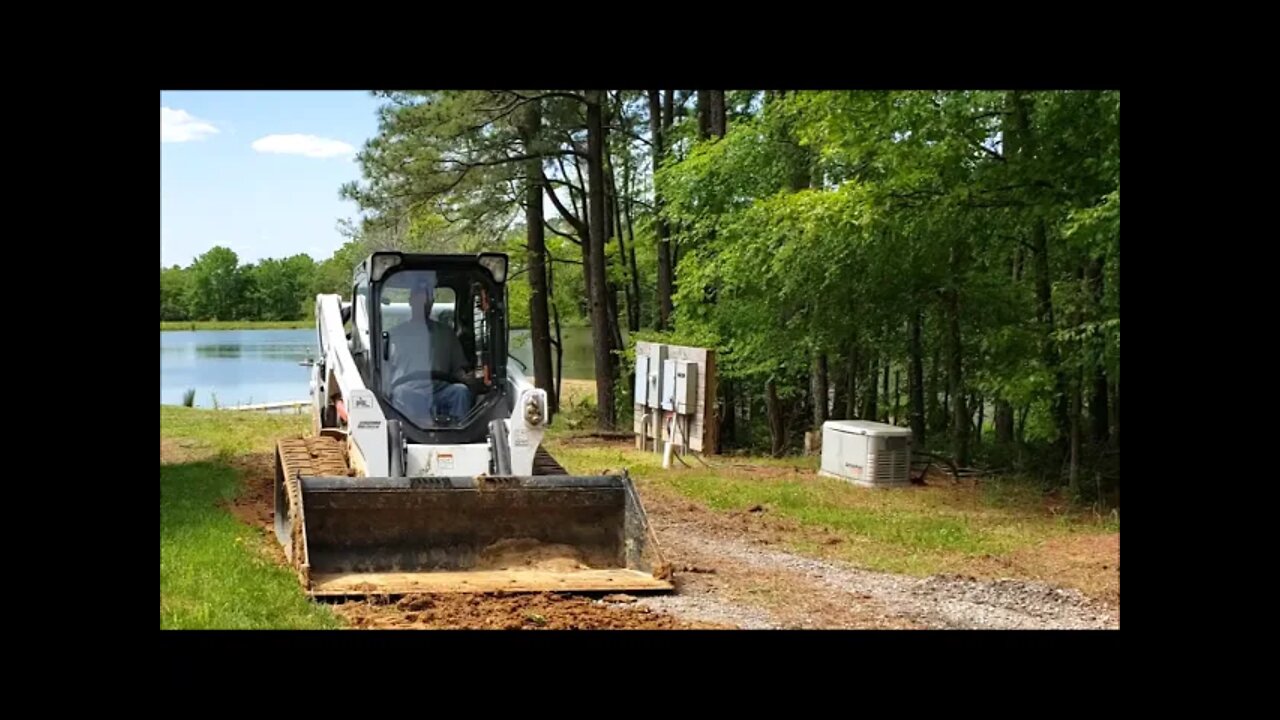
(215, 571)
(218, 572)
(1000, 528)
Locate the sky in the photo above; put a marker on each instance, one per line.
(258, 171)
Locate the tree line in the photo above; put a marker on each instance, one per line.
(216, 286)
(943, 260)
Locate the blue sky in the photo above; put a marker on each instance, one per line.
(258, 171)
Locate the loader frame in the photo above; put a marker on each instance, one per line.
(366, 505)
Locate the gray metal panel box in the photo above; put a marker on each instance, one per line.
(866, 453)
(642, 381)
(686, 387)
(668, 385)
(656, 360)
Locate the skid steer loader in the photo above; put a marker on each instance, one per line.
(424, 471)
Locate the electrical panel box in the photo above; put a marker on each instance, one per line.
(686, 387)
(657, 358)
(669, 384)
(642, 381)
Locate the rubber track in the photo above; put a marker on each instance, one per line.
(312, 456)
(308, 456)
(544, 464)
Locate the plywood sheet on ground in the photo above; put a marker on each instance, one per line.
(487, 581)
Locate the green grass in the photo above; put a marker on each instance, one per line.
(916, 530)
(188, 325)
(215, 571)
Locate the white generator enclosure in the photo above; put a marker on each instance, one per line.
(866, 453)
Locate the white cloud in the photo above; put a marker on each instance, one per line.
(181, 126)
(306, 145)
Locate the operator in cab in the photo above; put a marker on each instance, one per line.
(427, 369)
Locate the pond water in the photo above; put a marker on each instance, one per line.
(240, 367)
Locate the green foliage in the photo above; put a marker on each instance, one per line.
(217, 287)
(819, 224)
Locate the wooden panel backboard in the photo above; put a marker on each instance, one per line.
(705, 426)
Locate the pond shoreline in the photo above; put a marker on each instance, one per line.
(221, 367)
(198, 325)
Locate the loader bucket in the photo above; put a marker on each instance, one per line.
(360, 536)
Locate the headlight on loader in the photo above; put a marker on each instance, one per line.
(532, 411)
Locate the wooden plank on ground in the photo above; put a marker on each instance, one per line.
(613, 580)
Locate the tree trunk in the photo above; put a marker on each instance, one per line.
(955, 379)
(539, 320)
(915, 379)
(1098, 412)
(977, 434)
(729, 420)
(704, 114)
(897, 397)
(937, 413)
(555, 318)
(1023, 145)
(1004, 423)
(615, 327)
(719, 114)
(884, 416)
(601, 328)
(1073, 475)
(632, 300)
(1114, 407)
(633, 321)
(836, 380)
(588, 277)
(777, 422)
(1044, 303)
(818, 386)
(851, 374)
(659, 122)
(869, 407)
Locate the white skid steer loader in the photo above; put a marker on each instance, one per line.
(424, 471)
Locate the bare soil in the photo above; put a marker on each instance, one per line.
(732, 573)
(255, 503)
(1090, 562)
(510, 612)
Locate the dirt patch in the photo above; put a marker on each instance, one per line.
(508, 612)
(529, 554)
(1089, 562)
(757, 584)
(722, 584)
(255, 503)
